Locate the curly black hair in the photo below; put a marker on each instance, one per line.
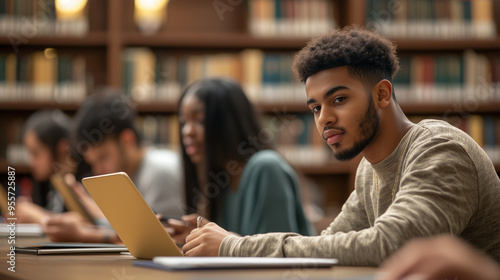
(367, 55)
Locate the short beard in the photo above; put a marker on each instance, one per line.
(369, 126)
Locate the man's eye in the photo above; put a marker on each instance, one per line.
(315, 109)
(339, 99)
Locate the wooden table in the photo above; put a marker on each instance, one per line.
(119, 267)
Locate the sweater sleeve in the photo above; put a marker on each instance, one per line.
(352, 217)
(437, 195)
(270, 199)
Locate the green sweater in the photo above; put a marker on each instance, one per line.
(446, 184)
(267, 199)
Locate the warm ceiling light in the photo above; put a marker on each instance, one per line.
(150, 5)
(70, 6)
(149, 14)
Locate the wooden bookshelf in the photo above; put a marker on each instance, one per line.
(447, 44)
(34, 105)
(473, 108)
(92, 39)
(219, 41)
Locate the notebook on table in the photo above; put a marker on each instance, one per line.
(71, 248)
(183, 263)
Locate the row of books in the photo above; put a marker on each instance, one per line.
(436, 19)
(24, 19)
(295, 136)
(157, 76)
(268, 77)
(290, 18)
(470, 77)
(159, 130)
(42, 76)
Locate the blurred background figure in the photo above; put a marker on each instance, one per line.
(232, 176)
(46, 138)
(105, 134)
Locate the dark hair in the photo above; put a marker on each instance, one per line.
(104, 114)
(367, 55)
(230, 122)
(50, 126)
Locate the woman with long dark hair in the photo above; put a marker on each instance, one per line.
(232, 176)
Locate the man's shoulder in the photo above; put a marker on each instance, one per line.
(433, 131)
(438, 128)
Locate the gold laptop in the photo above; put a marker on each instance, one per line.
(130, 216)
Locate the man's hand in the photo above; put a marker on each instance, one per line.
(28, 212)
(65, 227)
(204, 241)
(442, 257)
(72, 227)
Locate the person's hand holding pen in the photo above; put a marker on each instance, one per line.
(204, 240)
(179, 229)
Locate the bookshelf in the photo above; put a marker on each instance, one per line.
(194, 29)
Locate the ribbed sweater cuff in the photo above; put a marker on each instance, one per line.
(227, 246)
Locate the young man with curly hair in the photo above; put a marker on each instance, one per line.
(415, 180)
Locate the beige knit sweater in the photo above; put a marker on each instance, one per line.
(446, 184)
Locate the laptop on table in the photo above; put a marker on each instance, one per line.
(146, 238)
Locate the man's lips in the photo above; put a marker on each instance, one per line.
(332, 136)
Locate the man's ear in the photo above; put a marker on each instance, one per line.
(383, 93)
(127, 138)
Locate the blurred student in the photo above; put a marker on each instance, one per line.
(415, 180)
(231, 174)
(437, 258)
(46, 138)
(105, 134)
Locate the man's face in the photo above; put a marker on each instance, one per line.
(107, 157)
(344, 112)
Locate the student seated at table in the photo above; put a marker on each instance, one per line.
(104, 133)
(415, 180)
(46, 138)
(231, 174)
